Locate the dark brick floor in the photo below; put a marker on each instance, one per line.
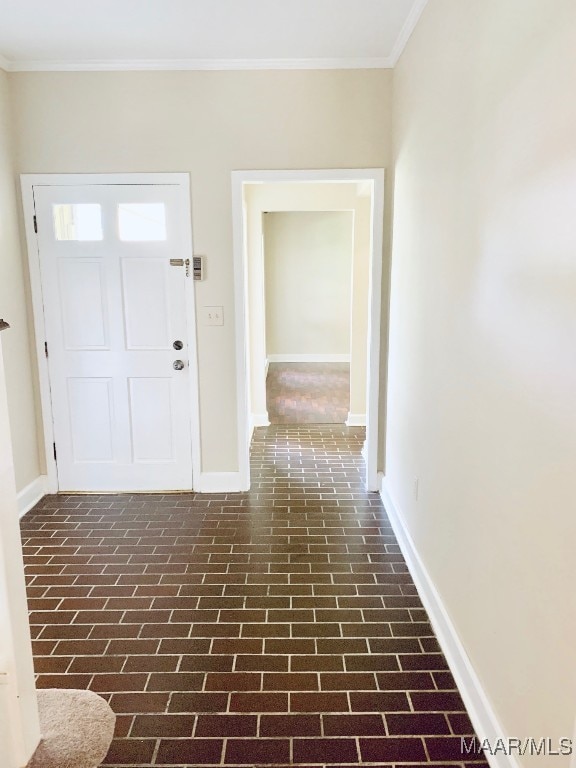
(277, 627)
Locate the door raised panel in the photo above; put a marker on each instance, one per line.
(145, 293)
(91, 417)
(151, 418)
(82, 304)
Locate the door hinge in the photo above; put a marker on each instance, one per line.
(54, 447)
(46, 348)
(35, 225)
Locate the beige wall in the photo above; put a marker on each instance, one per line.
(13, 308)
(308, 273)
(205, 123)
(483, 340)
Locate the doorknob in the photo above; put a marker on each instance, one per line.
(178, 365)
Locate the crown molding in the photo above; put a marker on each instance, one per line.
(406, 31)
(204, 65)
(125, 65)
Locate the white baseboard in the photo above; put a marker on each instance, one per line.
(475, 698)
(295, 358)
(31, 495)
(256, 420)
(356, 420)
(220, 482)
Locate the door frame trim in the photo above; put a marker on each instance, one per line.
(27, 182)
(373, 415)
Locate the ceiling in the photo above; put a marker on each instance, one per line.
(204, 34)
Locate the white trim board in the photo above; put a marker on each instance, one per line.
(356, 420)
(406, 31)
(197, 65)
(74, 179)
(31, 494)
(256, 420)
(320, 358)
(219, 482)
(477, 703)
(260, 420)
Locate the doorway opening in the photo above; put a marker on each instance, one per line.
(310, 283)
(289, 305)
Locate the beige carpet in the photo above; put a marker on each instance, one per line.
(77, 729)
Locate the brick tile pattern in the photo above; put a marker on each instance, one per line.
(278, 627)
(308, 393)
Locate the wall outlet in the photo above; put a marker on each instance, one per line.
(213, 315)
(416, 488)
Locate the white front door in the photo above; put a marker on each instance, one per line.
(116, 331)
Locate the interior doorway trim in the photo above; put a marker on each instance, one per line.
(239, 179)
(28, 183)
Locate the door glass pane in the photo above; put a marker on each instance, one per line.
(77, 221)
(142, 221)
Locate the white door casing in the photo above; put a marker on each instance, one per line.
(124, 419)
(374, 417)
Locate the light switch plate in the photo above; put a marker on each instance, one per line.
(213, 315)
